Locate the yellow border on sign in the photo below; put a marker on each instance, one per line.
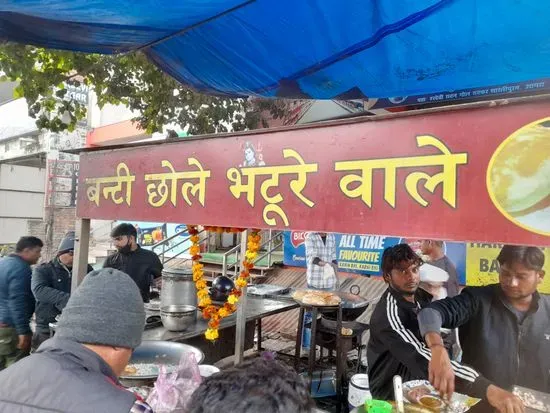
(488, 180)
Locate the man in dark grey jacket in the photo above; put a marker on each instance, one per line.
(504, 331)
(16, 300)
(76, 371)
(51, 286)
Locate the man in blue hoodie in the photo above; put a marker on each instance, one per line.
(17, 300)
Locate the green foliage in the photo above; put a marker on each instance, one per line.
(123, 79)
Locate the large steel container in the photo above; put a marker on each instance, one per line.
(178, 288)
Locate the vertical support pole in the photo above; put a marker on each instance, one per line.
(240, 329)
(259, 332)
(224, 265)
(82, 245)
(340, 360)
(298, 347)
(269, 248)
(312, 345)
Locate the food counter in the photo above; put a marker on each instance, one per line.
(256, 309)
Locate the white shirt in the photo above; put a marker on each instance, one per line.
(325, 251)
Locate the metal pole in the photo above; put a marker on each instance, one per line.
(82, 244)
(270, 246)
(240, 329)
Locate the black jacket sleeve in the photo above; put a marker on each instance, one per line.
(43, 290)
(456, 311)
(402, 347)
(156, 267)
(108, 262)
(412, 352)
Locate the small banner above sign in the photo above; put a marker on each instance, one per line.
(469, 175)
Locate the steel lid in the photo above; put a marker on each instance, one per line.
(181, 273)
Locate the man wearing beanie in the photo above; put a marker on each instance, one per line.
(51, 286)
(76, 371)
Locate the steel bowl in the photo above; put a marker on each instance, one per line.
(178, 317)
(165, 353)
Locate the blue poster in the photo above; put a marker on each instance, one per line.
(362, 254)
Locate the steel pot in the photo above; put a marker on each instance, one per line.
(178, 317)
(178, 288)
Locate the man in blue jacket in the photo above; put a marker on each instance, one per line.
(51, 286)
(17, 301)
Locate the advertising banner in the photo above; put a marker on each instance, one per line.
(466, 175)
(482, 266)
(475, 263)
(528, 87)
(362, 254)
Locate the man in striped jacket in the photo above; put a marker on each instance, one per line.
(396, 346)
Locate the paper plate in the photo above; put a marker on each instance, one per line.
(460, 402)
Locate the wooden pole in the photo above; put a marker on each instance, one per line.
(82, 245)
(240, 329)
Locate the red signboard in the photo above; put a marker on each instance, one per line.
(469, 175)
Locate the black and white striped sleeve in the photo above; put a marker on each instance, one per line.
(411, 351)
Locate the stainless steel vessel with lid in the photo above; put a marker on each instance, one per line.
(178, 288)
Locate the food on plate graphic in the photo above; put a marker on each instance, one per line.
(518, 177)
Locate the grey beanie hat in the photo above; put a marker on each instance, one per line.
(106, 309)
(67, 243)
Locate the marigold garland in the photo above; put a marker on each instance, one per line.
(209, 311)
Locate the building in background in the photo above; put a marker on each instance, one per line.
(38, 181)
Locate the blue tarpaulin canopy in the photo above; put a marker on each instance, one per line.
(304, 48)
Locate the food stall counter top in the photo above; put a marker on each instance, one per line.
(255, 308)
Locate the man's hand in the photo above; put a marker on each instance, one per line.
(441, 373)
(504, 401)
(24, 343)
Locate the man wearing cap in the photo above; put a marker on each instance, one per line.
(76, 371)
(51, 286)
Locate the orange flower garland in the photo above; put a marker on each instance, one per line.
(209, 311)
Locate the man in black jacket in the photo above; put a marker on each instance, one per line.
(504, 331)
(395, 346)
(51, 286)
(142, 265)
